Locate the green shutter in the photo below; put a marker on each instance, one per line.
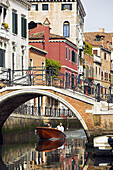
(66, 53)
(23, 27)
(14, 23)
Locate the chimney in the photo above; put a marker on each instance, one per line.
(101, 30)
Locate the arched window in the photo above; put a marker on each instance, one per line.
(66, 29)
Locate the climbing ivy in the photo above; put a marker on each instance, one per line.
(54, 64)
(88, 49)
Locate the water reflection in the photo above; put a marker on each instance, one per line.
(57, 154)
(69, 154)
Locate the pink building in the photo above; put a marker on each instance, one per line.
(58, 47)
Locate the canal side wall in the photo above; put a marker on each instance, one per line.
(17, 122)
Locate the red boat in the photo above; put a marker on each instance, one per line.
(47, 133)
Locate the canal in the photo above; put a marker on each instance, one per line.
(26, 152)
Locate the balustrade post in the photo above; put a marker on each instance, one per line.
(9, 75)
(98, 92)
(39, 110)
(32, 111)
(55, 111)
(110, 93)
(50, 110)
(49, 77)
(45, 110)
(59, 112)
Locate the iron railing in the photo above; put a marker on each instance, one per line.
(47, 111)
(48, 77)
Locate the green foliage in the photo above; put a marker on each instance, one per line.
(88, 49)
(54, 64)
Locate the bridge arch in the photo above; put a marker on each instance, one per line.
(10, 101)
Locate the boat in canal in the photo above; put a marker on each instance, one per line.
(49, 145)
(48, 133)
(103, 144)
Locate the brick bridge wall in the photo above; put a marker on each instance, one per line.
(96, 124)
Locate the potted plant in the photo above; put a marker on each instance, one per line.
(90, 79)
(5, 25)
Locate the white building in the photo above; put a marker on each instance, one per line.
(13, 34)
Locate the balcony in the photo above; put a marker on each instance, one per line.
(97, 59)
(4, 32)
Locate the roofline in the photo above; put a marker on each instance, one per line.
(38, 49)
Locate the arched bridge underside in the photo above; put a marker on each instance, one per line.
(81, 105)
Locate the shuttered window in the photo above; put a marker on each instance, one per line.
(73, 56)
(2, 58)
(14, 23)
(23, 27)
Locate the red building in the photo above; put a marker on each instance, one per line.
(58, 47)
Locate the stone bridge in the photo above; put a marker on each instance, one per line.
(94, 116)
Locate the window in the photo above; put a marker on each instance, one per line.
(66, 6)
(45, 7)
(102, 75)
(76, 58)
(34, 7)
(96, 70)
(73, 56)
(99, 71)
(66, 29)
(23, 27)
(4, 14)
(104, 56)
(95, 52)
(2, 58)
(0, 9)
(69, 54)
(14, 23)
(66, 53)
(109, 77)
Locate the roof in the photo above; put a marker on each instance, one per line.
(40, 36)
(105, 39)
(37, 49)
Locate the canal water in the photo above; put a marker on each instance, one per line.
(29, 153)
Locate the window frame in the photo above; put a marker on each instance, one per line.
(2, 58)
(23, 27)
(66, 29)
(45, 9)
(63, 5)
(14, 22)
(36, 7)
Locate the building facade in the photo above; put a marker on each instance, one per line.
(13, 34)
(102, 49)
(66, 17)
(58, 47)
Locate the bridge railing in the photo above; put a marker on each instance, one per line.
(48, 77)
(40, 111)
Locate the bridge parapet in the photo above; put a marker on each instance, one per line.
(48, 77)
